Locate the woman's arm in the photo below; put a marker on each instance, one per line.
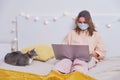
(99, 51)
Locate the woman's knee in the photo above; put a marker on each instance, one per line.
(77, 61)
(63, 66)
(66, 60)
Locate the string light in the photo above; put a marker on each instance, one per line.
(65, 13)
(108, 25)
(73, 18)
(13, 21)
(22, 14)
(46, 22)
(27, 16)
(13, 45)
(15, 39)
(55, 18)
(13, 30)
(14, 42)
(36, 19)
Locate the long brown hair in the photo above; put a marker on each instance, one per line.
(88, 20)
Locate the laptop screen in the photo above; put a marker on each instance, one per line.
(72, 52)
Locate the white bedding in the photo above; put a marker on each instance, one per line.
(109, 69)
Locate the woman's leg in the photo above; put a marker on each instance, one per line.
(63, 66)
(79, 65)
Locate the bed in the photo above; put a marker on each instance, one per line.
(108, 69)
(37, 33)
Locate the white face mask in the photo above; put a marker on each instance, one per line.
(83, 26)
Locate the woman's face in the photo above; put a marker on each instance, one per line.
(82, 23)
(81, 20)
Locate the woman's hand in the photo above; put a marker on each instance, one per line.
(97, 56)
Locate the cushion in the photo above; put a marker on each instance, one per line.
(44, 51)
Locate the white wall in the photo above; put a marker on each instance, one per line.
(103, 12)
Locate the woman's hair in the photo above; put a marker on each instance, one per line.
(88, 20)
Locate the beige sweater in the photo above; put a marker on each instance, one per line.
(95, 43)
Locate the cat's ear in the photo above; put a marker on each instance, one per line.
(33, 49)
(28, 52)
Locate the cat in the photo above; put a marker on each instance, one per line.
(17, 58)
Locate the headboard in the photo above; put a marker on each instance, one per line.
(44, 31)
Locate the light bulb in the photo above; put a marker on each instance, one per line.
(13, 30)
(46, 22)
(55, 18)
(27, 16)
(65, 13)
(22, 14)
(73, 18)
(36, 19)
(14, 21)
(15, 39)
(108, 25)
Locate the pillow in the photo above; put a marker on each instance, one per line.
(44, 51)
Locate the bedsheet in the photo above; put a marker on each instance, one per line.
(109, 69)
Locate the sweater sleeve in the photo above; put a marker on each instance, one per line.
(67, 39)
(100, 48)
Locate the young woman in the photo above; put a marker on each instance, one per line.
(83, 34)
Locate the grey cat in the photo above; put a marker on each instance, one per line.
(19, 59)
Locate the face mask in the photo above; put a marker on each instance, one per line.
(83, 26)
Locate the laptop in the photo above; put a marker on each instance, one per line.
(71, 52)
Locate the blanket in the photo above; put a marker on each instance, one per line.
(53, 75)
